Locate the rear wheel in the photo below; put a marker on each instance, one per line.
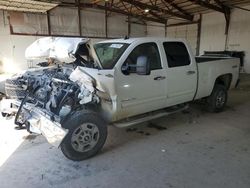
(218, 99)
(86, 137)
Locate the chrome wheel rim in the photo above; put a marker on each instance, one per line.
(85, 137)
(220, 99)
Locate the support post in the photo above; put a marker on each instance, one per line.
(79, 18)
(198, 36)
(48, 22)
(106, 20)
(166, 30)
(227, 18)
(129, 27)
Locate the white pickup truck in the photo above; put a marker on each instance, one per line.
(128, 82)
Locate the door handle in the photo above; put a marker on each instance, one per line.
(190, 72)
(159, 78)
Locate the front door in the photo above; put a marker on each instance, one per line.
(142, 93)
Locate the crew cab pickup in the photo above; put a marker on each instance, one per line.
(130, 81)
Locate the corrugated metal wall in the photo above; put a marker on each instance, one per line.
(65, 21)
(239, 34)
(213, 33)
(188, 32)
(155, 29)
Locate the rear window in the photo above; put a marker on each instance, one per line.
(177, 54)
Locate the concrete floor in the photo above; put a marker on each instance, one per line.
(196, 150)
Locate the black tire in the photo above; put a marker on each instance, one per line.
(72, 124)
(217, 100)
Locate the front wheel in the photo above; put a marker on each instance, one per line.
(86, 137)
(218, 99)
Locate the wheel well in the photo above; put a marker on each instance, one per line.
(224, 80)
(96, 108)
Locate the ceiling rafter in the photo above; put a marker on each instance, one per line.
(125, 6)
(157, 16)
(112, 2)
(131, 8)
(177, 7)
(156, 8)
(222, 5)
(112, 9)
(220, 8)
(152, 3)
(155, 3)
(27, 6)
(208, 5)
(166, 5)
(152, 13)
(138, 9)
(227, 14)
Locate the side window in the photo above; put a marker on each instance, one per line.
(177, 54)
(150, 50)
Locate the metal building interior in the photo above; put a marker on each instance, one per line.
(189, 149)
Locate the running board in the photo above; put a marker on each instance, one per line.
(149, 116)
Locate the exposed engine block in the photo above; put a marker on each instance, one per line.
(50, 89)
(56, 91)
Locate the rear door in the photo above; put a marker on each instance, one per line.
(181, 73)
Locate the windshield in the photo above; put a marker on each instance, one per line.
(109, 53)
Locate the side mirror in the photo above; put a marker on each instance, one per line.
(125, 69)
(142, 66)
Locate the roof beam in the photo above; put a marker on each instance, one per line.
(227, 14)
(177, 7)
(112, 9)
(220, 8)
(156, 8)
(157, 16)
(208, 5)
(182, 23)
(152, 13)
(223, 6)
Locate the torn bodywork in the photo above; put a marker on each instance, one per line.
(42, 98)
(46, 97)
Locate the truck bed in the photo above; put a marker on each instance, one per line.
(210, 68)
(205, 59)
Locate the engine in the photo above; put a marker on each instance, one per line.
(49, 89)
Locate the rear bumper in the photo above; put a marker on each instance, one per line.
(36, 121)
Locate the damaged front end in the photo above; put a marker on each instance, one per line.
(44, 98)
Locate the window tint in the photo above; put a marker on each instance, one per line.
(150, 50)
(177, 54)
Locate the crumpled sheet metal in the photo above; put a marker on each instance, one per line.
(59, 48)
(86, 84)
